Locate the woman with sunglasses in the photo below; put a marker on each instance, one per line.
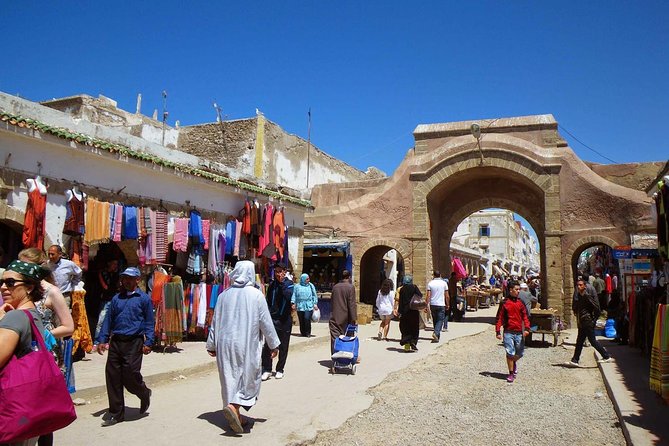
(20, 288)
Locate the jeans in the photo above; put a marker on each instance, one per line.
(514, 344)
(438, 319)
(305, 322)
(587, 330)
(283, 330)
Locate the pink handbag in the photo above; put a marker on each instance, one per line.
(33, 397)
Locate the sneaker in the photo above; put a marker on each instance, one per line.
(379, 336)
(435, 338)
(407, 347)
(444, 330)
(515, 369)
(605, 360)
(413, 348)
(278, 375)
(510, 378)
(572, 363)
(265, 376)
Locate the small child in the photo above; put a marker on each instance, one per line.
(512, 315)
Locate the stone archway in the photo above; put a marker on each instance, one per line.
(368, 254)
(521, 164)
(573, 251)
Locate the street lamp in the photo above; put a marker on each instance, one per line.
(476, 133)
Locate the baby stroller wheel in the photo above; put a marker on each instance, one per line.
(353, 369)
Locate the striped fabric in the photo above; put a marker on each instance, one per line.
(659, 357)
(161, 236)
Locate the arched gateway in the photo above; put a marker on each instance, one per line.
(523, 165)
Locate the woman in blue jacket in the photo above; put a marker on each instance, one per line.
(305, 301)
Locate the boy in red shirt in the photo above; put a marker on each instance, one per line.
(512, 315)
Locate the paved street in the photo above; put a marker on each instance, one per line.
(369, 406)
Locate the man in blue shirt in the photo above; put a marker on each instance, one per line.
(129, 324)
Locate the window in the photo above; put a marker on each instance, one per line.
(484, 231)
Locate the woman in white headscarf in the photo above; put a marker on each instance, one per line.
(239, 328)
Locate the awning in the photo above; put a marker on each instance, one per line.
(338, 245)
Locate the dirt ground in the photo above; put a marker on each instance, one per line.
(459, 395)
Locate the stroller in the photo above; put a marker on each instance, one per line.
(345, 353)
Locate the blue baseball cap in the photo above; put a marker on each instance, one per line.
(131, 272)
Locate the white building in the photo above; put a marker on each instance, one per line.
(505, 242)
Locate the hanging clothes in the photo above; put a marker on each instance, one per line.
(161, 237)
(195, 228)
(34, 220)
(130, 231)
(180, 242)
(659, 358)
(206, 225)
(230, 233)
(245, 215)
(279, 231)
(74, 215)
(97, 221)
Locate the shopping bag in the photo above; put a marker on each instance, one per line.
(33, 397)
(316, 315)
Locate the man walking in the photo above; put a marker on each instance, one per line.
(438, 304)
(127, 332)
(240, 327)
(279, 292)
(586, 309)
(344, 308)
(512, 315)
(66, 273)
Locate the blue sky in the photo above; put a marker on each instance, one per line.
(370, 71)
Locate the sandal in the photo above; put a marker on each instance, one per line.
(233, 419)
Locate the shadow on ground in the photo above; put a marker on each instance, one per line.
(496, 375)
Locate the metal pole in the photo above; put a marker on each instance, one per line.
(164, 113)
(308, 146)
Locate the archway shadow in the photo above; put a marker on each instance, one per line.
(496, 375)
(218, 419)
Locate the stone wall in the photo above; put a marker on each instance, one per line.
(633, 175)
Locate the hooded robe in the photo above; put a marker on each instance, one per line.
(239, 328)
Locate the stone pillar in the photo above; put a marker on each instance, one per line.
(420, 242)
(553, 248)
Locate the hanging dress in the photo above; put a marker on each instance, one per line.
(33, 226)
(74, 218)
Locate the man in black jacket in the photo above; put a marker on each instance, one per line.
(279, 292)
(586, 308)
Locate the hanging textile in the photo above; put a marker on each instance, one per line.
(173, 303)
(34, 220)
(279, 231)
(659, 358)
(161, 237)
(97, 222)
(180, 242)
(130, 231)
(74, 215)
(82, 332)
(195, 228)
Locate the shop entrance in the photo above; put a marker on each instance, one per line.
(10, 241)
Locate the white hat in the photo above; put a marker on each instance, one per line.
(523, 285)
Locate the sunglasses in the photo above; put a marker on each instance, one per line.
(11, 282)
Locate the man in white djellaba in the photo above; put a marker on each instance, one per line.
(239, 328)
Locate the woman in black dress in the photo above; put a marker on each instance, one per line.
(409, 318)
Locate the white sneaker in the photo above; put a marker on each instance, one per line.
(603, 361)
(265, 376)
(278, 375)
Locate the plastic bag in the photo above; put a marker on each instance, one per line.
(610, 329)
(316, 315)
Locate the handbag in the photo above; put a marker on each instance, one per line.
(417, 302)
(33, 397)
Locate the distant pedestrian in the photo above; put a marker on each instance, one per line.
(304, 300)
(240, 327)
(409, 318)
(279, 293)
(438, 304)
(586, 309)
(344, 307)
(384, 306)
(66, 273)
(526, 297)
(512, 315)
(127, 332)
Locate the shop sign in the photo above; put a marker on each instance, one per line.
(626, 266)
(642, 266)
(622, 252)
